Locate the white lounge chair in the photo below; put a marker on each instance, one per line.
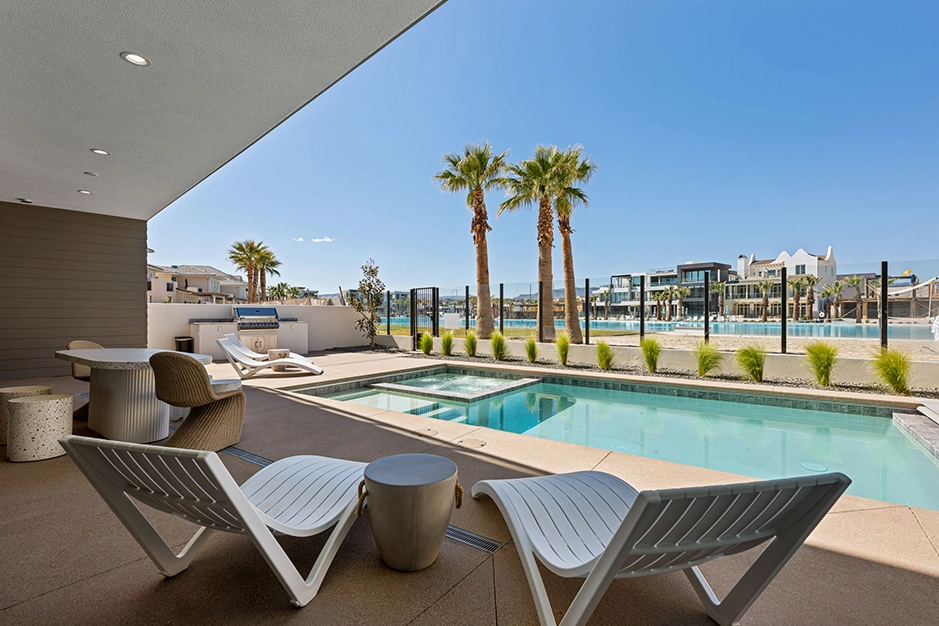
(595, 526)
(930, 408)
(257, 356)
(246, 366)
(300, 496)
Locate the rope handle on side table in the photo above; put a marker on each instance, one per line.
(363, 493)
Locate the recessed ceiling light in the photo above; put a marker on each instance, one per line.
(91, 173)
(135, 59)
(25, 200)
(84, 191)
(100, 151)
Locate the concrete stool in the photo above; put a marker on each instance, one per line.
(36, 425)
(410, 498)
(7, 394)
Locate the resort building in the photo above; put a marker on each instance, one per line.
(744, 297)
(623, 300)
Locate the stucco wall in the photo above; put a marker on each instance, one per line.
(328, 326)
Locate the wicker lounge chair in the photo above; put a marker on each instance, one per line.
(215, 419)
(82, 372)
(595, 526)
(247, 366)
(300, 496)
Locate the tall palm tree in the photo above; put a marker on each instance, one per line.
(265, 263)
(797, 284)
(575, 170)
(828, 294)
(856, 282)
(810, 282)
(659, 297)
(670, 294)
(836, 288)
(718, 288)
(539, 181)
(682, 293)
(476, 171)
(243, 254)
(765, 287)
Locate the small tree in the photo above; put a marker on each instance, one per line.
(368, 301)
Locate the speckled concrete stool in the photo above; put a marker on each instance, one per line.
(36, 425)
(7, 394)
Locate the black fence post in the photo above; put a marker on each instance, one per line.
(707, 306)
(642, 307)
(884, 278)
(539, 312)
(435, 322)
(502, 308)
(413, 311)
(388, 319)
(784, 296)
(467, 308)
(587, 311)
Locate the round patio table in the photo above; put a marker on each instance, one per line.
(123, 403)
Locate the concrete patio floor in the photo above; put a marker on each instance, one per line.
(67, 559)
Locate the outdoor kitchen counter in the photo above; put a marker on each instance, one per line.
(123, 403)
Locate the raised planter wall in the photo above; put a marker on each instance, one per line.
(847, 369)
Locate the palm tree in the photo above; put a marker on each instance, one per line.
(836, 288)
(575, 170)
(828, 293)
(718, 288)
(797, 284)
(476, 171)
(856, 282)
(682, 293)
(540, 180)
(659, 297)
(669, 295)
(278, 291)
(765, 287)
(265, 263)
(243, 254)
(810, 282)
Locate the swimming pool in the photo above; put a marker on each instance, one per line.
(845, 330)
(746, 436)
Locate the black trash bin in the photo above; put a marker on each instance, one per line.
(184, 344)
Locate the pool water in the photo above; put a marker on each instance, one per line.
(455, 383)
(883, 462)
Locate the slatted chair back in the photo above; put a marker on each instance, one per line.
(181, 380)
(190, 484)
(675, 529)
(82, 372)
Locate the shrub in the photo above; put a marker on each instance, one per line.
(426, 343)
(604, 355)
(821, 357)
(498, 346)
(531, 349)
(751, 360)
(708, 357)
(893, 367)
(446, 343)
(563, 343)
(651, 349)
(470, 343)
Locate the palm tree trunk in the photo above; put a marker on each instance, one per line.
(810, 304)
(545, 272)
(681, 308)
(720, 304)
(251, 288)
(765, 305)
(479, 228)
(571, 316)
(857, 307)
(263, 285)
(795, 306)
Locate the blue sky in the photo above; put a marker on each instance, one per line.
(719, 128)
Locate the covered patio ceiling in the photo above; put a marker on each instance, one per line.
(220, 76)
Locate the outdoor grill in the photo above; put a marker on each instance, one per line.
(256, 318)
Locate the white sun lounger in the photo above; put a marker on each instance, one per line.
(247, 366)
(257, 356)
(300, 496)
(930, 408)
(595, 526)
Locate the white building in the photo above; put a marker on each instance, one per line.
(822, 265)
(745, 299)
(194, 284)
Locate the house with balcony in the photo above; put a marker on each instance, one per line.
(623, 290)
(744, 298)
(195, 284)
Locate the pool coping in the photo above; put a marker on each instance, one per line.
(920, 428)
(440, 394)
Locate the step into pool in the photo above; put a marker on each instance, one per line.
(742, 437)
